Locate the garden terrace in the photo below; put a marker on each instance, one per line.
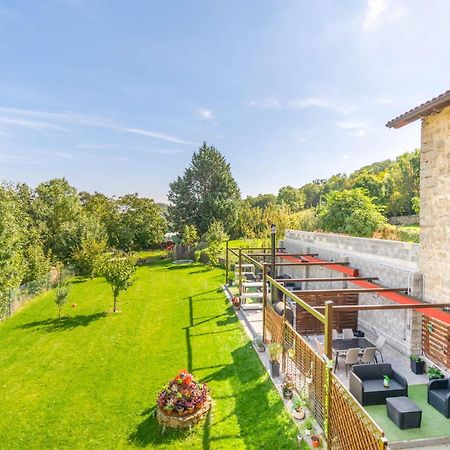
(306, 335)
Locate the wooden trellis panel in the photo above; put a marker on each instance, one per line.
(350, 427)
(274, 325)
(436, 341)
(307, 370)
(307, 324)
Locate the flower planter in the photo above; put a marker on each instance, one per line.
(185, 420)
(417, 367)
(288, 394)
(275, 369)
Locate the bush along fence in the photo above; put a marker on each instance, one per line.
(345, 423)
(13, 299)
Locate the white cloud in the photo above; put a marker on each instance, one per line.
(375, 9)
(357, 129)
(266, 103)
(64, 155)
(345, 157)
(155, 134)
(319, 102)
(30, 124)
(301, 140)
(378, 11)
(21, 117)
(205, 114)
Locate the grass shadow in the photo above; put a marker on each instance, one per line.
(63, 323)
(149, 432)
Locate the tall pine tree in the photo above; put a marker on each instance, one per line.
(206, 192)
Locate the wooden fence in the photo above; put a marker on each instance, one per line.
(436, 340)
(348, 426)
(307, 324)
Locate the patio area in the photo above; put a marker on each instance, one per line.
(297, 303)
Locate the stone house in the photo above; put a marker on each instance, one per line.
(434, 252)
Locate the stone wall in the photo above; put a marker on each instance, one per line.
(394, 263)
(434, 260)
(404, 220)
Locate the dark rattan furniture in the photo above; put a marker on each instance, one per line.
(439, 396)
(403, 412)
(366, 384)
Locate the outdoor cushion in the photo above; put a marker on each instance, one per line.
(439, 396)
(377, 385)
(441, 393)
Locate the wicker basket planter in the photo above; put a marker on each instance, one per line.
(174, 420)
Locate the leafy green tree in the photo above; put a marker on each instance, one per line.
(215, 233)
(118, 272)
(372, 183)
(189, 235)
(140, 224)
(62, 292)
(87, 255)
(56, 210)
(415, 201)
(292, 197)
(313, 192)
(206, 192)
(12, 237)
(261, 200)
(351, 212)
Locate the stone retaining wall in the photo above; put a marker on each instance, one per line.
(394, 263)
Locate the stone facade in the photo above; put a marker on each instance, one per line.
(434, 258)
(394, 263)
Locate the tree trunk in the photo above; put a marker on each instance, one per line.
(115, 304)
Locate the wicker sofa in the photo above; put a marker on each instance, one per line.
(439, 396)
(366, 384)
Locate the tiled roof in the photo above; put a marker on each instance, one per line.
(432, 106)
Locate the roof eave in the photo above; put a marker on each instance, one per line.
(433, 106)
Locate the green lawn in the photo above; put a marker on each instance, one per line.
(434, 424)
(90, 379)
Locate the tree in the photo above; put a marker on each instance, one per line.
(118, 272)
(312, 192)
(87, 254)
(292, 197)
(215, 233)
(13, 224)
(56, 210)
(352, 212)
(62, 291)
(261, 200)
(140, 225)
(189, 235)
(206, 192)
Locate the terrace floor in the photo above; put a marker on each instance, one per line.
(435, 429)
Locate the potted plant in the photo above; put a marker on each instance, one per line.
(288, 387)
(434, 373)
(236, 302)
(274, 357)
(259, 343)
(417, 364)
(315, 440)
(386, 381)
(297, 406)
(308, 426)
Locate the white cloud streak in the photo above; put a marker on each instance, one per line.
(319, 102)
(205, 114)
(21, 117)
(266, 103)
(357, 129)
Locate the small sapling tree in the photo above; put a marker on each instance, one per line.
(118, 272)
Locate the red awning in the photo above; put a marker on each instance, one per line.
(394, 296)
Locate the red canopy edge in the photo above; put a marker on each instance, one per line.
(394, 296)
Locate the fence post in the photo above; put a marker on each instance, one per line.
(240, 274)
(283, 337)
(264, 299)
(226, 262)
(328, 347)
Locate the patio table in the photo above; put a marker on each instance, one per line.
(344, 345)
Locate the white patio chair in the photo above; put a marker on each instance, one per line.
(320, 348)
(347, 333)
(351, 359)
(368, 356)
(335, 334)
(379, 344)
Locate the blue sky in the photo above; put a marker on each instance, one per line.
(116, 95)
